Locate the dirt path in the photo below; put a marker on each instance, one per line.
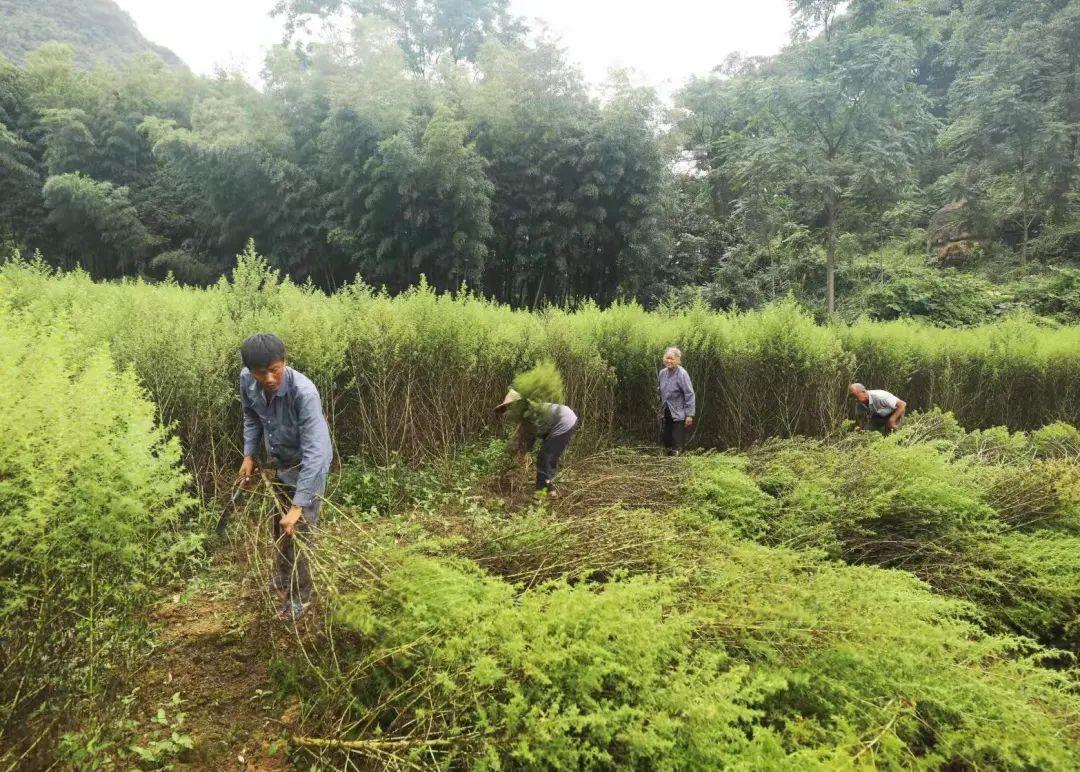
(212, 653)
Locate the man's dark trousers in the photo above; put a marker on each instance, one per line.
(291, 570)
(879, 423)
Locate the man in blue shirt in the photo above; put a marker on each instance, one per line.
(283, 413)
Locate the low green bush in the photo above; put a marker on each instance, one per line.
(871, 501)
(879, 671)
(380, 490)
(986, 516)
(1054, 294)
(941, 296)
(559, 677)
(1035, 494)
(91, 495)
(1057, 440)
(1031, 581)
(740, 655)
(377, 490)
(720, 487)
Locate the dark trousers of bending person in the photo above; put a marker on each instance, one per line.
(551, 450)
(553, 424)
(559, 425)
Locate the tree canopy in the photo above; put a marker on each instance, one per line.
(438, 138)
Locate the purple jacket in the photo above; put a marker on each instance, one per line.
(677, 393)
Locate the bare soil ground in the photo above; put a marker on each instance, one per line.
(213, 650)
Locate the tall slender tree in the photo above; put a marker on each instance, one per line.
(838, 123)
(1015, 111)
(427, 208)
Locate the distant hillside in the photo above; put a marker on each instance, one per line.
(96, 29)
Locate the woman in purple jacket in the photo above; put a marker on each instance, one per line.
(677, 406)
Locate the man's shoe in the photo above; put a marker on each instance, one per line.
(293, 610)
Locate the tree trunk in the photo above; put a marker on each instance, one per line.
(1024, 240)
(1072, 118)
(1025, 219)
(539, 287)
(830, 257)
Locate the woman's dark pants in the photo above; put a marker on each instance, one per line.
(674, 434)
(547, 458)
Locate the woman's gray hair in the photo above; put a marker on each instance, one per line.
(673, 350)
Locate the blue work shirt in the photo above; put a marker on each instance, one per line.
(677, 393)
(293, 429)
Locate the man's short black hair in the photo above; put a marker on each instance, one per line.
(262, 350)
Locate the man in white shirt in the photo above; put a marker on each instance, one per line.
(878, 409)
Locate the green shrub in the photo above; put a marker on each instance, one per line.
(562, 677)
(934, 425)
(720, 487)
(1055, 294)
(971, 513)
(996, 445)
(872, 501)
(92, 492)
(877, 670)
(375, 490)
(941, 296)
(1030, 583)
(746, 656)
(371, 489)
(1034, 494)
(1057, 440)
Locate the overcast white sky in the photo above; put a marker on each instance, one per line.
(665, 42)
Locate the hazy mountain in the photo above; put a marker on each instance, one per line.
(96, 29)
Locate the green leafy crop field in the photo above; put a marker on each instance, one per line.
(792, 594)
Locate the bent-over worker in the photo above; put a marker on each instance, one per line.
(879, 410)
(555, 426)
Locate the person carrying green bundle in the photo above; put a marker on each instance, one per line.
(534, 402)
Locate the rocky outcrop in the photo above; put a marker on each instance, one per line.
(952, 239)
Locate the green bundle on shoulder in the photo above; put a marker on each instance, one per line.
(541, 385)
